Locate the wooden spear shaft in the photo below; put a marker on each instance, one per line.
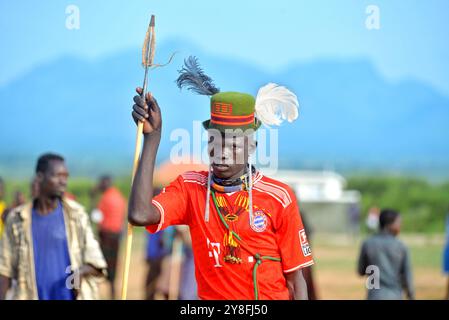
(148, 52)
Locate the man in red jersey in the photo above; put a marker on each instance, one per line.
(248, 239)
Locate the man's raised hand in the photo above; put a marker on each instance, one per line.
(147, 111)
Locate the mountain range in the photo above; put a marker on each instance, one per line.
(351, 117)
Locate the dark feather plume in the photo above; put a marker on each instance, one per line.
(192, 77)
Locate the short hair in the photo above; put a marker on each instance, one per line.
(43, 163)
(105, 177)
(387, 217)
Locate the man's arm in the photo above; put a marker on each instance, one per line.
(141, 212)
(363, 261)
(407, 277)
(86, 271)
(5, 284)
(7, 265)
(296, 285)
(93, 261)
(89, 270)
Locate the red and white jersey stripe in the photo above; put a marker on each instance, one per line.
(195, 177)
(273, 188)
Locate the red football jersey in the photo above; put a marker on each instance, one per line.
(277, 231)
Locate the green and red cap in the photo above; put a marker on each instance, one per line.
(231, 111)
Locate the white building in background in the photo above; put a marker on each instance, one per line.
(318, 186)
(323, 199)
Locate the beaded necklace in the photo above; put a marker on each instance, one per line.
(226, 186)
(230, 213)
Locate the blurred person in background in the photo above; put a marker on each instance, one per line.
(389, 260)
(163, 281)
(308, 271)
(48, 248)
(2, 204)
(112, 212)
(177, 277)
(446, 256)
(155, 253)
(354, 219)
(372, 220)
(34, 188)
(19, 199)
(187, 287)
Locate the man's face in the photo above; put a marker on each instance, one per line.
(35, 188)
(104, 184)
(228, 153)
(53, 183)
(19, 198)
(395, 227)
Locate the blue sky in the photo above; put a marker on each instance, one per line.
(412, 40)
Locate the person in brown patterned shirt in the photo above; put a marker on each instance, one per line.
(18, 245)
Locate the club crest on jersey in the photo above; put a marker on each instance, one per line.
(304, 243)
(260, 221)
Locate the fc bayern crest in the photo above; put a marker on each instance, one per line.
(259, 221)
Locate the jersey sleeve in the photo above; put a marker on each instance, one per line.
(292, 239)
(172, 204)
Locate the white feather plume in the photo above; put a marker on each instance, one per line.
(275, 103)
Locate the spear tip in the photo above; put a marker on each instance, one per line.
(152, 20)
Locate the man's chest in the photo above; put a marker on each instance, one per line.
(231, 210)
(230, 232)
(49, 232)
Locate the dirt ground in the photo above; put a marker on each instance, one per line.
(334, 270)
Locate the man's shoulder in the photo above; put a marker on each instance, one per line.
(401, 244)
(276, 189)
(380, 237)
(370, 240)
(18, 213)
(114, 191)
(268, 180)
(74, 208)
(198, 177)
